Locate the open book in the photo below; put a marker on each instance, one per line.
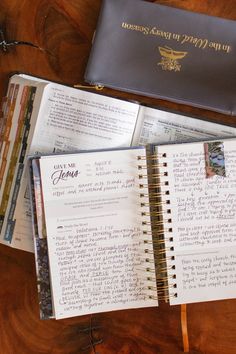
(125, 228)
(44, 117)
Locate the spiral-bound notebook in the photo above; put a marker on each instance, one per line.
(125, 228)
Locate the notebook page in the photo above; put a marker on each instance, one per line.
(203, 227)
(94, 230)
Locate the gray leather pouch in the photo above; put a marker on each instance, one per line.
(167, 53)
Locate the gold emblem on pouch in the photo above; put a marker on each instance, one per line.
(170, 58)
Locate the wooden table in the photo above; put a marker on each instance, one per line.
(65, 29)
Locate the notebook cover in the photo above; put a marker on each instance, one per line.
(167, 53)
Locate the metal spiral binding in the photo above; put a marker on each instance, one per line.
(148, 261)
(159, 212)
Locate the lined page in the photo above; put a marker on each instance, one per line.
(94, 229)
(203, 227)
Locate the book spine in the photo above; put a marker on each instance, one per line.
(161, 223)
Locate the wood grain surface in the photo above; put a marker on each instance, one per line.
(64, 29)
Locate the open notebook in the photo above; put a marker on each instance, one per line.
(125, 228)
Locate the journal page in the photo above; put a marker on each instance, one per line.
(95, 222)
(201, 232)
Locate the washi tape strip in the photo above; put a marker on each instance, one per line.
(214, 159)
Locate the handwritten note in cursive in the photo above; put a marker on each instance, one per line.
(203, 214)
(94, 228)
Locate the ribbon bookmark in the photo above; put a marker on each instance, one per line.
(184, 327)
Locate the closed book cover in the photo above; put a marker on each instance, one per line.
(167, 53)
